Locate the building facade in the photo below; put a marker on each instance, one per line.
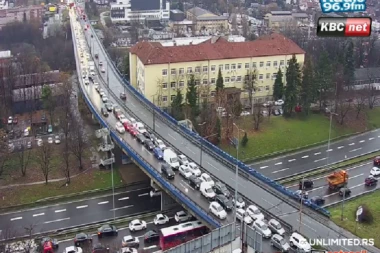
(158, 71)
(207, 21)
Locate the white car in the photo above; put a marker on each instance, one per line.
(50, 140)
(300, 242)
(103, 70)
(375, 171)
(130, 241)
(104, 99)
(263, 228)
(194, 169)
(245, 113)
(183, 160)
(137, 225)
(276, 227)
(57, 140)
(239, 203)
(140, 127)
(101, 93)
(161, 219)
(122, 118)
(10, 120)
(133, 121)
(279, 102)
(73, 249)
(120, 128)
(184, 171)
(207, 191)
(182, 216)
(242, 215)
(159, 143)
(128, 250)
(254, 212)
(217, 210)
(207, 179)
(40, 142)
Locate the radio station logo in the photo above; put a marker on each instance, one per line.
(344, 27)
(328, 6)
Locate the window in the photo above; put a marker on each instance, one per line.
(221, 67)
(267, 76)
(197, 82)
(165, 99)
(233, 79)
(282, 63)
(181, 83)
(246, 66)
(173, 72)
(268, 63)
(189, 70)
(287, 62)
(197, 69)
(274, 75)
(204, 81)
(227, 67)
(212, 80)
(275, 64)
(261, 64)
(233, 66)
(260, 89)
(213, 68)
(267, 88)
(173, 85)
(238, 79)
(164, 72)
(205, 69)
(254, 65)
(164, 85)
(212, 94)
(226, 79)
(261, 77)
(239, 65)
(172, 97)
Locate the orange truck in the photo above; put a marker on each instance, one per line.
(337, 180)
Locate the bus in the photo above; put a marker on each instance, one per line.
(178, 234)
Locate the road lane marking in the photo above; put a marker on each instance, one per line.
(52, 221)
(212, 166)
(291, 160)
(351, 144)
(80, 207)
(361, 141)
(38, 214)
(133, 104)
(263, 167)
(190, 150)
(157, 125)
(306, 156)
(278, 163)
(171, 136)
(356, 149)
(102, 203)
(17, 218)
(370, 139)
(144, 194)
(60, 211)
(274, 172)
(317, 153)
(320, 159)
(125, 198)
(340, 147)
(307, 226)
(329, 150)
(150, 247)
(124, 207)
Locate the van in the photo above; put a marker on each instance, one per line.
(171, 158)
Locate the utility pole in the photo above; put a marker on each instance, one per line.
(201, 125)
(154, 116)
(301, 202)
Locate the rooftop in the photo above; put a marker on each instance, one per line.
(196, 11)
(5, 54)
(367, 73)
(271, 45)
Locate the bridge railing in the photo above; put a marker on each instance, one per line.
(198, 139)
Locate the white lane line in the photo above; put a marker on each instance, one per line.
(275, 206)
(171, 136)
(314, 189)
(274, 172)
(329, 150)
(38, 214)
(60, 211)
(340, 147)
(351, 144)
(317, 153)
(370, 139)
(124, 207)
(358, 175)
(212, 166)
(291, 160)
(263, 167)
(17, 218)
(306, 156)
(320, 159)
(307, 226)
(144, 194)
(378, 136)
(102, 203)
(356, 149)
(157, 125)
(361, 141)
(190, 150)
(52, 221)
(125, 198)
(133, 104)
(150, 247)
(278, 163)
(80, 207)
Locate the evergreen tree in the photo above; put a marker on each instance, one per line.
(278, 87)
(218, 129)
(308, 87)
(244, 141)
(293, 83)
(180, 5)
(24, 18)
(349, 64)
(219, 82)
(323, 78)
(192, 97)
(176, 106)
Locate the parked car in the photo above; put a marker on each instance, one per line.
(194, 182)
(82, 238)
(10, 120)
(151, 236)
(107, 230)
(50, 129)
(167, 170)
(221, 188)
(57, 139)
(137, 225)
(160, 219)
(279, 102)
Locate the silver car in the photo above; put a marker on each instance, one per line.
(277, 241)
(276, 227)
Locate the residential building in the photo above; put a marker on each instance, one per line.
(17, 14)
(197, 40)
(207, 21)
(367, 77)
(158, 71)
(139, 10)
(282, 19)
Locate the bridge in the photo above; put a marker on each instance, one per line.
(273, 199)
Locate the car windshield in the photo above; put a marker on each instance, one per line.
(256, 211)
(282, 241)
(264, 227)
(186, 170)
(208, 190)
(219, 209)
(277, 226)
(208, 179)
(173, 160)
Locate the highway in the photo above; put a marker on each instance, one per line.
(293, 164)
(50, 218)
(357, 174)
(310, 227)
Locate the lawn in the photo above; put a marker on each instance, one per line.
(372, 201)
(373, 117)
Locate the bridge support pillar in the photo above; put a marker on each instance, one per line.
(167, 202)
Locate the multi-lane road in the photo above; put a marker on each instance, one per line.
(310, 159)
(133, 201)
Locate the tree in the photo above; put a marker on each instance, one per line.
(257, 116)
(323, 78)
(177, 106)
(278, 87)
(293, 82)
(237, 107)
(372, 94)
(78, 142)
(244, 141)
(250, 85)
(4, 153)
(218, 126)
(359, 101)
(23, 159)
(126, 69)
(192, 97)
(219, 82)
(43, 159)
(48, 100)
(24, 17)
(349, 64)
(307, 87)
(180, 5)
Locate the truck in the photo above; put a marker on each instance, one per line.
(337, 180)
(171, 158)
(91, 67)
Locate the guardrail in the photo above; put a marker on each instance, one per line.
(198, 139)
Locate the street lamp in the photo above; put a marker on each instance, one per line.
(205, 137)
(328, 143)
(154, 115)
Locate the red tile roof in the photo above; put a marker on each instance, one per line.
(275, 44)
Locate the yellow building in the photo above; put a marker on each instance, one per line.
(207, 21)
(158, 71)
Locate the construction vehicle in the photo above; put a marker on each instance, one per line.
(337, 180)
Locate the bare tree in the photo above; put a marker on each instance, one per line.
(250, 80)
(257, 116)
(44, 158)
(4, 153)
(359, 101)
(23, 159)
(343, 107)
(78, 142)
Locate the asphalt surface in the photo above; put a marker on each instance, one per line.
(309, 226)
(357, 175)
(76, 213)
(311, 159)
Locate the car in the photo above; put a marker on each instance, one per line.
(182, 216)
(344, 192)
(277, 241)
(98, 248)
(183, 160)
(370, 181)
(305, 184)
(10, 120)
(107, 230)
(103, 70)
(276, 227)
(375, 171)
(86, 81)
(128, 250)
(82, 238)
(245, 113)
(302, 194)
(15, 120)
(207, 179)
(281, 111)
(57, 139)
(40, 142)
(133, 132)
(255, 212)
(130, 241)
(133, 121)
(167, 170)
(239, 202)
(184, 171)
(151, 236)
(300, 242)
(73, 249)
(91, 78)
(104, 99)
(50, 140)
(159, 143)
(194, 182)
(158, 153)
(120, 128)
(137, 225)
(160, 219)
(29, 144)
(127, 125)
(140, 138)
(109, 106)
(263, 228)
(207, 191)
(149, 145)
(50, 129)
(140, 127)
(224, 202)
(122, 118)
(104, 112)
(216, 209)
(100, 63)
(242, 214)
(26, 132)
(194, 169)
(317, 200)
(147, 135)
(97, 88)
(101, 92)
(123, 96)
(54, 242)
(376, 161)
(116, 111)
(276, 112)
(221, 188)
(155, 192)
(279, 102)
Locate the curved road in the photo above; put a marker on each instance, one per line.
(310, 227)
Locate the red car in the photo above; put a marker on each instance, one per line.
(15, 120)
(370, 181)
(133, 131)
(127, 126)
(376, 161)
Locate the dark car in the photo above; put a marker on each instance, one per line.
(104, 112)
(317, 200)
(82, 238)
(147, 135)
(225, 202)
(123, 96)
(221, 188)
(194, 182)
(344, 192)
(107, 230)
(140, 138)
(370, 181)
(376, 161)
(91, 78)
(149, 145)
(54, 242)
(100, 249)
(307, 184)
(109, 107)
(151, 236)
(153, 137)
(166, 169)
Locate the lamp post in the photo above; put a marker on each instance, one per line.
(237, 167)
(328, 143)
(154, 115)
(204, 137)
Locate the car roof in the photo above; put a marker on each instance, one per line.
(273, 221)
(127, 237)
